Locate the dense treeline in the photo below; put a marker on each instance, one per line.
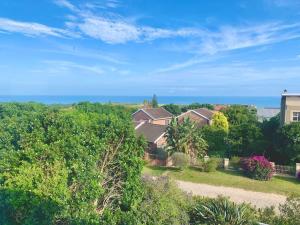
(74, 165)
(246, 136)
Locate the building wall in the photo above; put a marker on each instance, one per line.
(160, 121)
(289, 104)
(162, 142)
(194, 118)
(141, 116)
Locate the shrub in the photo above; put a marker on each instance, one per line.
(163, 203)
(221, 211)
(298, 176)
(211, 165)
(160, 154)
(289, 213)
(258, 167)
(235, 162)
(180, 160)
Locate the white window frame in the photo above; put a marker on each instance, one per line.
(297, 116)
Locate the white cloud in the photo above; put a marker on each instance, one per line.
(231, 38)
(109, 31)
(32, 29)
(66, 4)
(68, 65)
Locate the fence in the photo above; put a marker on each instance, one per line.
(285, 170)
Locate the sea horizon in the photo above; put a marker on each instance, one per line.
(258, 101)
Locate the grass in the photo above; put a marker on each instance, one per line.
(279, 185)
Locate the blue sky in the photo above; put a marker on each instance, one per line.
(141, 47)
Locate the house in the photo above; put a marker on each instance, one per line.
(267, 113)
(201, 116)
(153, 133)
(158, 116)
(290, 108)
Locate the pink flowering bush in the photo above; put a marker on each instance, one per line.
(258, 167)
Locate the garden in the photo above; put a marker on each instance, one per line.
(197, 154)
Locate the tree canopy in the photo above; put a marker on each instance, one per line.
(67, 166)
(185, 137)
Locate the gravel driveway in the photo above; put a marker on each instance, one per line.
(258, 199)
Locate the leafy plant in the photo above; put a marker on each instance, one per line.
(180, 160)
(211, 165)
(160, 153)
(235, 162)
(258, 167)
(172, 108)
(219, 120)
(185, 137)
(221, 211)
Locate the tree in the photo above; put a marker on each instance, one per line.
(71, 166)
(185, 137)
(245, 136)
(216, 139)
(219, 121)
(154, 101)
(172, 108)
(290, 142)
(197, 106)
(271, 134)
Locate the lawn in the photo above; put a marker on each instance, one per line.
(279, 185)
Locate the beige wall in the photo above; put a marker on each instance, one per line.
(160, 122)
(289, 105)
(199, 120)
(162, 142)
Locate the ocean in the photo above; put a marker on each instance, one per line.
(269, 101)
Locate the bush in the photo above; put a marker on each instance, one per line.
(298, 176)
(163, 203)
(235, 162)
(160, 154)
(180, 160)
(258, 167)
(289, 213)
(211, 165)
(221, 211)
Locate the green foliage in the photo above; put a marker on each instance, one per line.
(219, 121)
(67, 165)
(185, 137)
(172, 108)
(197, 106)
(290, 142)
(235, 162)
(216, 139)
(245, 136)
(160, 153)
(221, 211)
(162, 204)
(289, 213)
(180, 160)
(154, 102)
(211, 165)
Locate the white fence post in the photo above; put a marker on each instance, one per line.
(226, 163)
(297, 169)
(273, 165)
(206, 158)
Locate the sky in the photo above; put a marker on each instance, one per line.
(142, 47)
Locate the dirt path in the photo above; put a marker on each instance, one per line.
(258, 199)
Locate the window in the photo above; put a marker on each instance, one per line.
(296, 116)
